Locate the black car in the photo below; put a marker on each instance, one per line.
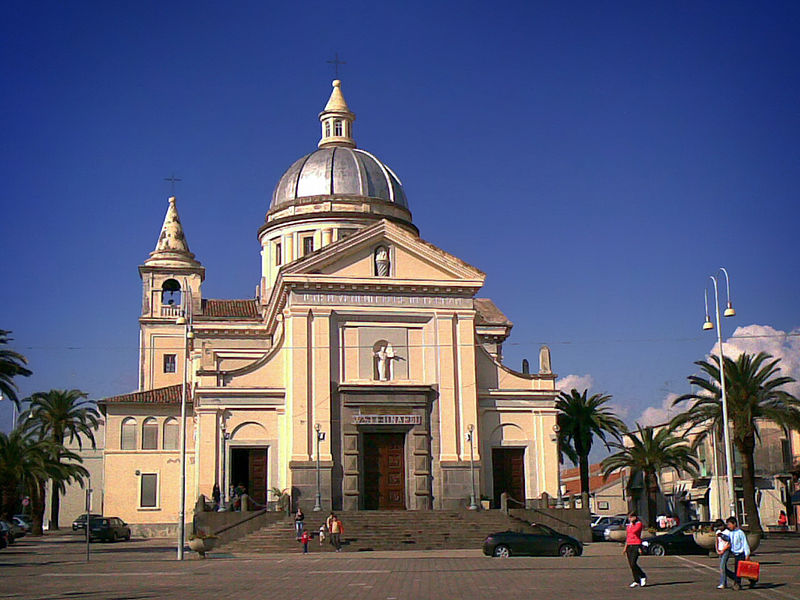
(678, 540)
(539, 540)
(80, 522)
(109, 529)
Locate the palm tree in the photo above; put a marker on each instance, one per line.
(61, 416)
(580, 419)
(647, 454)
(11, 364)
(752, 386)
(26, 463)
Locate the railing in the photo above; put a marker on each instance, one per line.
(170, 310)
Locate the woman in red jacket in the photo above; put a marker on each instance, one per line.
(633, 547)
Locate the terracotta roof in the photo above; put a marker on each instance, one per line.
(165, 395)
(230, 309)
(571, 479)
(489, 314)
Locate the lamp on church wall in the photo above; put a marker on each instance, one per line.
(473, 505)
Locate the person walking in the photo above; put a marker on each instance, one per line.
(724, 552)
(305, 538)
(740, 549)
(336, 532)
(216, 496)
(633, 547)
(299, 517)
(328, 525)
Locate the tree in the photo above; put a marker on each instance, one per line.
(752, 386)
(26, 463)
(647, 454)
(580, 419)
(12, 364)
(61, 416)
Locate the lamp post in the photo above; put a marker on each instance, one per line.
(318, 501)
(707, 325)
(186, 320)
(560, 499)
(225, 437)
(470, 429)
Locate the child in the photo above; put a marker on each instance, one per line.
(305, 539)
(321, 534)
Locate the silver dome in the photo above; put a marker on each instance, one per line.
(339, 171)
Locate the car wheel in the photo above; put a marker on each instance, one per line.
(567, 551)
(114, 537)
(501, 551)
(657, 550)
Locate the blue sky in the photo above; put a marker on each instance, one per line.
(598, 160)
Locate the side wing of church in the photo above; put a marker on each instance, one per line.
(365, 374)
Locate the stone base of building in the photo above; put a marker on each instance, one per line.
(304, 484)
(456, 484)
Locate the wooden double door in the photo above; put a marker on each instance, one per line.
(384, 471)
(508, 473)
(249, 468)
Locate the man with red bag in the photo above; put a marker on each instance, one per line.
(740, 549)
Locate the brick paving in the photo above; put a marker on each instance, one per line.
(53, 568)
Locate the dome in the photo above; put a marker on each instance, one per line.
(339, 171)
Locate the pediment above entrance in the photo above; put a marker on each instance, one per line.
(385, 251)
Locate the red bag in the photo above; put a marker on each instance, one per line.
(748, 569)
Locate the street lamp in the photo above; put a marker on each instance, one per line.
(472, 504)
(186, 320)
(318, 501)
(708, 325)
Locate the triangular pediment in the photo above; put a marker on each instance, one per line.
(410, 258)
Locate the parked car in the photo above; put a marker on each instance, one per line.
(678, 540)
(23, 522)
(80, 522)
(109, 529)
(601, 523)
(540, 540)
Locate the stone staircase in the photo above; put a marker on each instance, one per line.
(383, 530)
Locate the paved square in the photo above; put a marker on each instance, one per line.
(54, 568)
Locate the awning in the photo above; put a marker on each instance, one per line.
(697, 493)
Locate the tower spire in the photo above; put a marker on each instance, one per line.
(337, 120)
(172, 248)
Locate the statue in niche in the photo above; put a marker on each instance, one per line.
(384, 357)
(382, 261)
(544, 361)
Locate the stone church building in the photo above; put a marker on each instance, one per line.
(365, 351)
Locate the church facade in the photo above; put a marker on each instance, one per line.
(366, 373)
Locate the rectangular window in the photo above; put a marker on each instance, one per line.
(337, 128)
(308, 244)
(170, 363)
(602, 505)
(148, 493)
(277, 255)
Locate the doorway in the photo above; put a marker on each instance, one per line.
(508, 473)
(384, 471)
(249, 468)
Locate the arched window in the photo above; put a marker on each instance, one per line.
(128, 434)
(171, 292)
(171, 434)
(150, 434)
(327, 129)
(337, 128)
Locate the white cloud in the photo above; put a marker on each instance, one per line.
(751, 339)
(658, 415)
(763, 338)
(578, 382)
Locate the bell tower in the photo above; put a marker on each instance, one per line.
(171, 287)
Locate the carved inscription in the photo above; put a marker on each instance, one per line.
(380, 300)
(387, 419)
